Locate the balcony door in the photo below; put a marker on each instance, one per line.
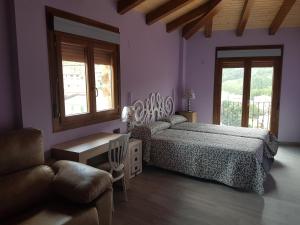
(247, 92)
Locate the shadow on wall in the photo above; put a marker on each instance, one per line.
(10, 112)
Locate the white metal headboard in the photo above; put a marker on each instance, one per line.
(153, 108)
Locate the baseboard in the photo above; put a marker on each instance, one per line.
(289, 143)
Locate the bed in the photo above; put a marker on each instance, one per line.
(269, 140)
(238, 158)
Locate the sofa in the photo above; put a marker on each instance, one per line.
(32, 193)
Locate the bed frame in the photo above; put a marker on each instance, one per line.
(153, 108)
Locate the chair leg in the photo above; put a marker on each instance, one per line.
(124, 188)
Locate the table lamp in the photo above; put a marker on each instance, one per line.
(189, 95)
(128, 116)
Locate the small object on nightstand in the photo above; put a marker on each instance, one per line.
(189, 95)
(128, 116)
(117, 131)
(191, 116)
(135, 157)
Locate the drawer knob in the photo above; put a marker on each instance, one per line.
(136, 150)
(135, 159)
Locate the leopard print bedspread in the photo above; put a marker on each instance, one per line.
(234, 161)
(270, 141)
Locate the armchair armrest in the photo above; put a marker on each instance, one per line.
(78, 182)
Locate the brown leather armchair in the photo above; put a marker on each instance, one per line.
(32, 193)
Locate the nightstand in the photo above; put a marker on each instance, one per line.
(191, 116)
(135, 157)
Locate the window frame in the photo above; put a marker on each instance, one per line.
(249, 62)
(59, 120)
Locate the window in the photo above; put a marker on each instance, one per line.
(75, 77)
(104, 79)
(84, 80)
(247, 87)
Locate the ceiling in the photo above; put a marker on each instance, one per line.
(216, 14)
(261, 16)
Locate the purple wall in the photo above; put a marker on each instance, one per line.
(149, 60)
(200, 63)
(8, 107)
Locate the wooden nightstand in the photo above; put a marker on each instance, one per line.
(191, 116)
(135, 157)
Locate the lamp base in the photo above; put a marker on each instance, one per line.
(188, 108)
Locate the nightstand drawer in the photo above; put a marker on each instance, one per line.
(135, 157)
(136, 169)
(134, 148)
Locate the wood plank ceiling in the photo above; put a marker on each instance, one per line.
(208, 15)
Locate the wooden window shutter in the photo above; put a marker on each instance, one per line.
(73, 52)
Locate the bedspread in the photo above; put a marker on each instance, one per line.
(231, 160)
(211, 156)
(270, 141)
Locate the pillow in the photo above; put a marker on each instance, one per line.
(158, 126)
(174, 119)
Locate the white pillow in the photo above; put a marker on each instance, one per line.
(174, 119)
(158, 126)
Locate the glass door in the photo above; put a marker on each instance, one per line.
(232, 95)
(261, 90)
(247, 93)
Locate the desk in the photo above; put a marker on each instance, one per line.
(82, 149)
(85, 148)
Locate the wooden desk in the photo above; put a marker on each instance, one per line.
(82, 149)
(85, 148)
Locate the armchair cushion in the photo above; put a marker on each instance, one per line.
(20, 150)
(78, 182)
(22, 190)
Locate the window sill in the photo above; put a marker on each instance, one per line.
(59, 126)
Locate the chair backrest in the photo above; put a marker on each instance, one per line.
(118, 152)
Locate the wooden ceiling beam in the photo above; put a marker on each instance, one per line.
(244, 17)
(123, 6)
(165, 10)
(208, 28)
(280, 16)
(193, 27)
(188, 17)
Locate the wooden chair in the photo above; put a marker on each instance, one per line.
(118, 149)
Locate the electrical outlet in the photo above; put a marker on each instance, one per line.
(117, 131)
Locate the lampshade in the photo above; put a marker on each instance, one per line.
(190, 94)
(128, 114)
